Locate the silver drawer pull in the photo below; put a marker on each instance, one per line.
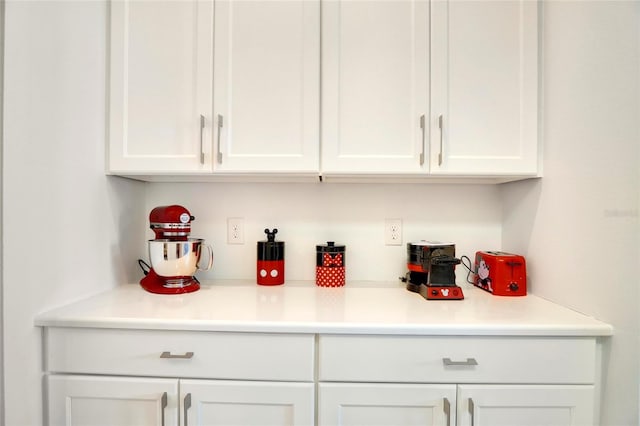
(187, 355)
(469, 362)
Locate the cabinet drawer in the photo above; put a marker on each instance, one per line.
(413, 359)
(241, 356)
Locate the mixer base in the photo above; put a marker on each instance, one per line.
(155, 284)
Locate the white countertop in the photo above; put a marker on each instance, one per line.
(302, 307)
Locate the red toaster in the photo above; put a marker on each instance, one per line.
(499, 273)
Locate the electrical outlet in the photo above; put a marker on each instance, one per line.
(393, 232)
(235, 230)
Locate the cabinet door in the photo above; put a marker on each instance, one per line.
(372, 404)
(160, 86)
(484, 114)
(530, 405)
(108, 401)
(375, 74)
(267, 79)
(240, 403)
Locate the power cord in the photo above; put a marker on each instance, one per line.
(469, 267)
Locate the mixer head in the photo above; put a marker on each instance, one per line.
(170, 222)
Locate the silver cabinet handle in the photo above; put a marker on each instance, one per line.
(441, 127)
(163, 405)
(186, 404)
(201, 139)
(469, 362)
(186, 355)
(422, 126)
(447, 410)
(471, 410)
(220, 124)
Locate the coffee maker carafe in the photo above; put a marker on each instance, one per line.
(174, 256)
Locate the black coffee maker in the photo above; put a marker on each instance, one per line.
(432, 270)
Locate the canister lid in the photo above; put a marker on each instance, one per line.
(270, 249)
(330, 247)
(330, 255)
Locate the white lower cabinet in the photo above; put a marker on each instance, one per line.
(179, 378)
(355, 404)
(525, 405)
(108, 401)
(457, 381)
(237, 403)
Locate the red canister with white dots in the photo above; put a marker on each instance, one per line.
(330, 264)
(270, 265)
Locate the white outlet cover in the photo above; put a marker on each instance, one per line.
(393, 232)
(235, 230)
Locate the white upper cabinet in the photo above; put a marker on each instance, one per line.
(375, 86)
(266, 86)
(484, 88)
(340, 88)
(160, 86)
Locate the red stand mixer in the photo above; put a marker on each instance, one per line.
(173, 255)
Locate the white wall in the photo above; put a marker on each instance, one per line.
(350, 214)
(66, 225)
(579, 225)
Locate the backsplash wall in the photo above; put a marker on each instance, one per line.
(307, 214)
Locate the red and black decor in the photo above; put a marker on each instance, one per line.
(500, 273)
(175, 253)
(432, 270)
(330, 264)
(270, 265)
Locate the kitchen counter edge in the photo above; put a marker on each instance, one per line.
(98, 312)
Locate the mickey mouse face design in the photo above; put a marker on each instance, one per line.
(483, 270)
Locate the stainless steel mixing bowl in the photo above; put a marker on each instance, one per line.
(178, 258)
